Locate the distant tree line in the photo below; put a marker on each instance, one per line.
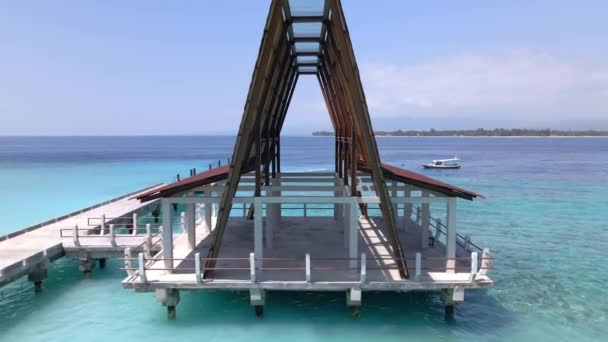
(482, 132)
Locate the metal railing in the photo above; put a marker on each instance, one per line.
(477, 268)
(149, 232)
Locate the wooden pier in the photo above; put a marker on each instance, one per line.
(83, 235)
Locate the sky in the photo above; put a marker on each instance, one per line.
(146, 67)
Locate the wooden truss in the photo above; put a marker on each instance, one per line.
(295, 45)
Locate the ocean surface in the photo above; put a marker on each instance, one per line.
(545, 218)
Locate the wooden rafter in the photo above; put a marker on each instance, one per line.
(274, 79)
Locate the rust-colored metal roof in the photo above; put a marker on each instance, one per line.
(416, 179)
(203, 178)
(390, 172)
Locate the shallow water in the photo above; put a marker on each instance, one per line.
(545, 219)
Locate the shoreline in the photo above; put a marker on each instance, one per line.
(478, 136)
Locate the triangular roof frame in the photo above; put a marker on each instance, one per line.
(278, 67)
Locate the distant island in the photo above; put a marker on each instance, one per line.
(481, 132)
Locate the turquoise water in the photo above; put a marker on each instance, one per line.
(544, 219)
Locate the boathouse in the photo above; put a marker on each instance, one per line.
(362, 226)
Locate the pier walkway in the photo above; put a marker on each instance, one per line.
(80, 234)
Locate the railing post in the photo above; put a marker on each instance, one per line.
(142, 268)
(252, 266)
(418, 265)
(102, 231)
(308, 267)
(149, 236)
(363, 267)
(304, 209)
(197, 267)
(134, 232)
(112, 236)
(473, 266)
(485, 264)
(75, 236)
(467, 243)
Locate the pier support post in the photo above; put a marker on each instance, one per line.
(102, 263)
(449, 298)
(353, 301)
(85, 265)
(258, 298)
(37, 276)
(425, 222)
(170, 299)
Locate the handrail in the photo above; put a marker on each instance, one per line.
(77, 212)
(439, 224)
(478, 267)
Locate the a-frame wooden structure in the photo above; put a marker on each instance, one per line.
(297, 43)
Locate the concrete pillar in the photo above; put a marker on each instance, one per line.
(276, 207)
(449, 298)
(258, 299)
(425, 222)
(346, 224)
(208, 213)
(167, 235)
(337, 206)
(451, 236)
(407, 209)
(353, 235)
(170, 299)
(394, 195)
(353, 301)
(258, 230)
(191, 225)
(85, 265)
(38, 274)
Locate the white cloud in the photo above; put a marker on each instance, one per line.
(522, 83)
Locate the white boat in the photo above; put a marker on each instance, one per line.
(451, 163)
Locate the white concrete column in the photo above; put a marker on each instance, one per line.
(268, 231)
(273, 210)
(191, 225)
(425, 222)
(278, 207)
(451, 235)
(353, 235)
(394, 194)
(167, 234)
(258, 230)
(208, 209)
(346, 224)
(337, 206)
(407, 208)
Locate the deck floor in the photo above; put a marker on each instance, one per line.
(323, 238)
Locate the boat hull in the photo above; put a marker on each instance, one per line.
(441, 166)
